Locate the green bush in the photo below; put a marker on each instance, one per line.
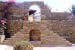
(23, 45)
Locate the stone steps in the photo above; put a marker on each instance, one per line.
(48, 38)
(14, 39)
(53, 39)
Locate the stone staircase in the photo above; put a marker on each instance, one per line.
(49, 40)
(54, 40)
(16, 38)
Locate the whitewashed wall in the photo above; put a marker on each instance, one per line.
(6, 47)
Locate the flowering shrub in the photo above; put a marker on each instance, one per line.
(2, 22)
(23, 45)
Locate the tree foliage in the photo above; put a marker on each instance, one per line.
(73, 9)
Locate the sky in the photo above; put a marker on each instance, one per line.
(55, 5)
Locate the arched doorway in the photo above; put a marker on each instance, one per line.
(35, 35)
(7, 35)
(34, 13)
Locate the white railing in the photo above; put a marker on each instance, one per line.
(54, 48)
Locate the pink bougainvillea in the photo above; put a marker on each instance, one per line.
(11, 1)
(2, 21)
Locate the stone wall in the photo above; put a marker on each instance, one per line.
(48, 37)
(44, 8)
(13, 26)
(60, 16)
(19, 10)
(64, 29)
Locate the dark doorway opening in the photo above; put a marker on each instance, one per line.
(32, 12)
(7, 35)
(35, 35)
